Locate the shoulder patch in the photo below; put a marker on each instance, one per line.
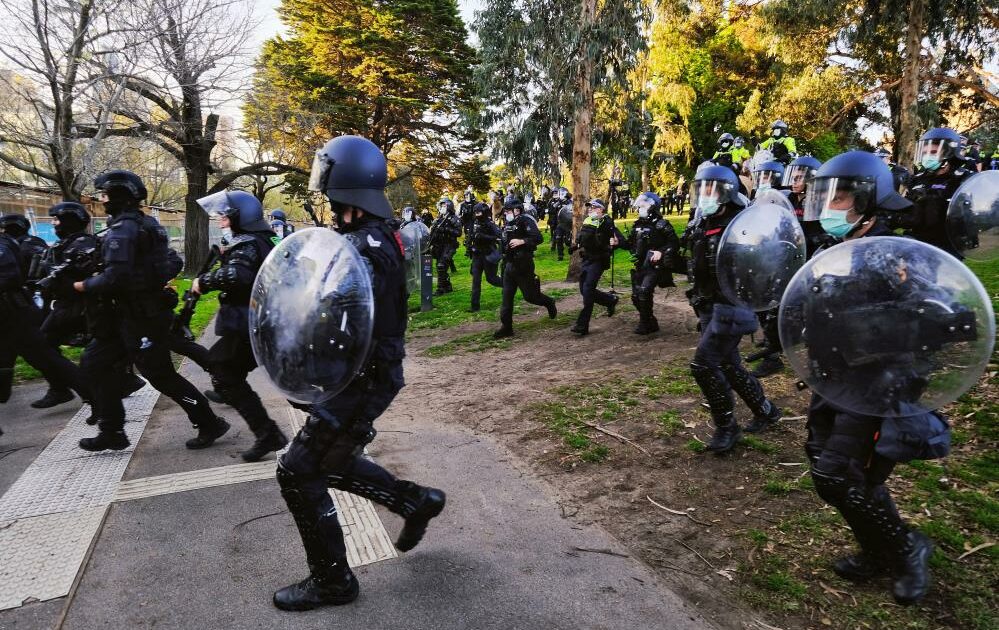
(372, 242)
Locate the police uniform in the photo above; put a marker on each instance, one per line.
(231, 357)
(327, 452)
(444, 235)
(20, 334)
(67, 317)
(518, 271)
(135, 319)
(651, 234)
(930, 192)
(596, 250)
(717, 367)
(483, 235)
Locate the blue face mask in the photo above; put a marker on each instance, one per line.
(835, 224)
(930, 163)
(708, 207)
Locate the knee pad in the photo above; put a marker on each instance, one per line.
(830, 487)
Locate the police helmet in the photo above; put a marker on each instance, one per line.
(563, 193)
(937, 146)
(770, 173)
(278, 215)
(73, 217)
(725, 140)
(351, 171)
(445, 205)
(803, 167)
(778, 129)
(481, 208)
(719, 184)
(120, 178)
(738, 142)
(858, 174)
(649, 202)
(243, 210)
(511, 202)
(15, 225)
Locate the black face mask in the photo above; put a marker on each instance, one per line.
(120, 200)
(67, 227)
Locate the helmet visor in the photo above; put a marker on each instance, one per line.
(766, 179)
(838, 194)
(797, 176)
(939, 149)
(644, 203)
(320, 172)
(710, 194)
(217, 205)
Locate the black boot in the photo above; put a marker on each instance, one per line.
(273, 440)
(53, 398)
(333, 586)
(105, 441)
(208, 433)
(762, 422)
(912, 571)
(504, 332)
(727, 434)
(768, 366)
(552, 310)
(427, 503)
(859, 567)
(579, 329)
(612, 307)
(6, 383)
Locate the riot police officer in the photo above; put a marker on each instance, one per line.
(724, 153)
(231, 357)
(900, 175)
(465, 209)
(327, 452)
(596, 242)
(780, 144)
(520, 238)
(717, 367)
(135, 316)
(852, 194)
(483, 237)
(20, 334)
(444, 233)
(279, 224)
(560, 221)
(654, 246)
(940, 170)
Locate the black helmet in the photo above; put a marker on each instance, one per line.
(73, 217)
(120, 178)
(243, 210)
(15, 225)
(725, 140)
(481, 208)
(278, 215)
(780, 127)
(862, 175)
(648, 201)
(563, 194)
(511, 202)
(351, 170)
(936, 146)
(445, 205)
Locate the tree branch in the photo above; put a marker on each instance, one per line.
(28, 168)
(857, 101)
(261, 168)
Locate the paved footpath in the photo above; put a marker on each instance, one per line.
(160, 536)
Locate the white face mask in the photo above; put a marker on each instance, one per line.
(407, 215)
(227, 233)
(643, 213)
(594, 214)
(509, 217)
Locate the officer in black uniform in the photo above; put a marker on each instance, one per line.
(940, 171)
(231, 358)
(135, 317)
(520, 238)
(717, 366)
(900, 175)
(596, 242)
(483, 237)
(444, 235)
(20, 334)
(408, 216)
(654, 247)
(465, 210)
(855, 192)
(560, 221)
(327, 452)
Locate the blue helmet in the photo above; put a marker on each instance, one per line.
(720, 182)
(278, 215)
(863, 175)
(351, 170)
(244, 211)
(648, 201)
(805, 166)
(937, 146)
(120, 178)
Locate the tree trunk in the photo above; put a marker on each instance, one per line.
(195, 220)
(645, 177)
(582, 131)
(909, 124)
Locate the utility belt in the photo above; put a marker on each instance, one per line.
(142, 305)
